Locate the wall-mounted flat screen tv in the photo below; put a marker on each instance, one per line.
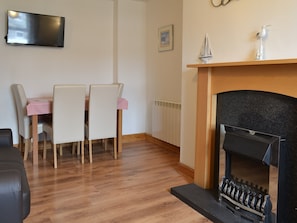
(25, 28)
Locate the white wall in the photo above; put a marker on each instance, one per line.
(163, 68)
(232, 31)
(88, 55)
(131, 62)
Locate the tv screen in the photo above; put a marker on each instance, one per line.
(25, 28)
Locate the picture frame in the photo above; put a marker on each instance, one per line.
(165, 41)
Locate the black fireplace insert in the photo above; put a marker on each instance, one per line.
(245, 173)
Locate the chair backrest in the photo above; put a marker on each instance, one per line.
(102, 111)
(68, 113)
(21, 103)
(121, 88)
(6, 138)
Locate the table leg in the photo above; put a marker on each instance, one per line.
(119, 130)
(35, 139)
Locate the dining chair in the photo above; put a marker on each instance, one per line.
(68, 117)
(24, 121)
(102, 115)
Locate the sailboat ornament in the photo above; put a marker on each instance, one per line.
(205, 52)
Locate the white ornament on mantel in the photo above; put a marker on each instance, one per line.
(205, 52)
(261, 36)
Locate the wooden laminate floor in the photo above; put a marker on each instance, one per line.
(134, 188)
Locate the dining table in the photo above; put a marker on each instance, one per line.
(43, 106)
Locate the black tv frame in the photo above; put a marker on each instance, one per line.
(26, 28)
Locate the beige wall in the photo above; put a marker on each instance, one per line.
(232, 31)
(163, 68)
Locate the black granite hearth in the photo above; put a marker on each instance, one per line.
(205, 203)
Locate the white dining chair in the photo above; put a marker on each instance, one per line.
(24, 121)
(68, 117)
(102, 115)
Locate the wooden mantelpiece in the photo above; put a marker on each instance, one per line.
(277, 76)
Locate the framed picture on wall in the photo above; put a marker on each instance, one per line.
(165, 35)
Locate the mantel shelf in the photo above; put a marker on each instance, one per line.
(244, 63)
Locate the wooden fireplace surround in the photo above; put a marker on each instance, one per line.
(276, 76)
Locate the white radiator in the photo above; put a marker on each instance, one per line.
(166, 121)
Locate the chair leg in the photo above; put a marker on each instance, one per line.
(44, 145)
(78, 149)
(20, 142)
(115, 149)
(55, 156)
(105, 141)
(91, 151)
(27, 146)
(61, 150)
(82, 152)
(73, 148)
(31, 145)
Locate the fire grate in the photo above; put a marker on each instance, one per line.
(248, 201)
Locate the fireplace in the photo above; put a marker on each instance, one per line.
(248, 173)
(269, 118)
(258, 96)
